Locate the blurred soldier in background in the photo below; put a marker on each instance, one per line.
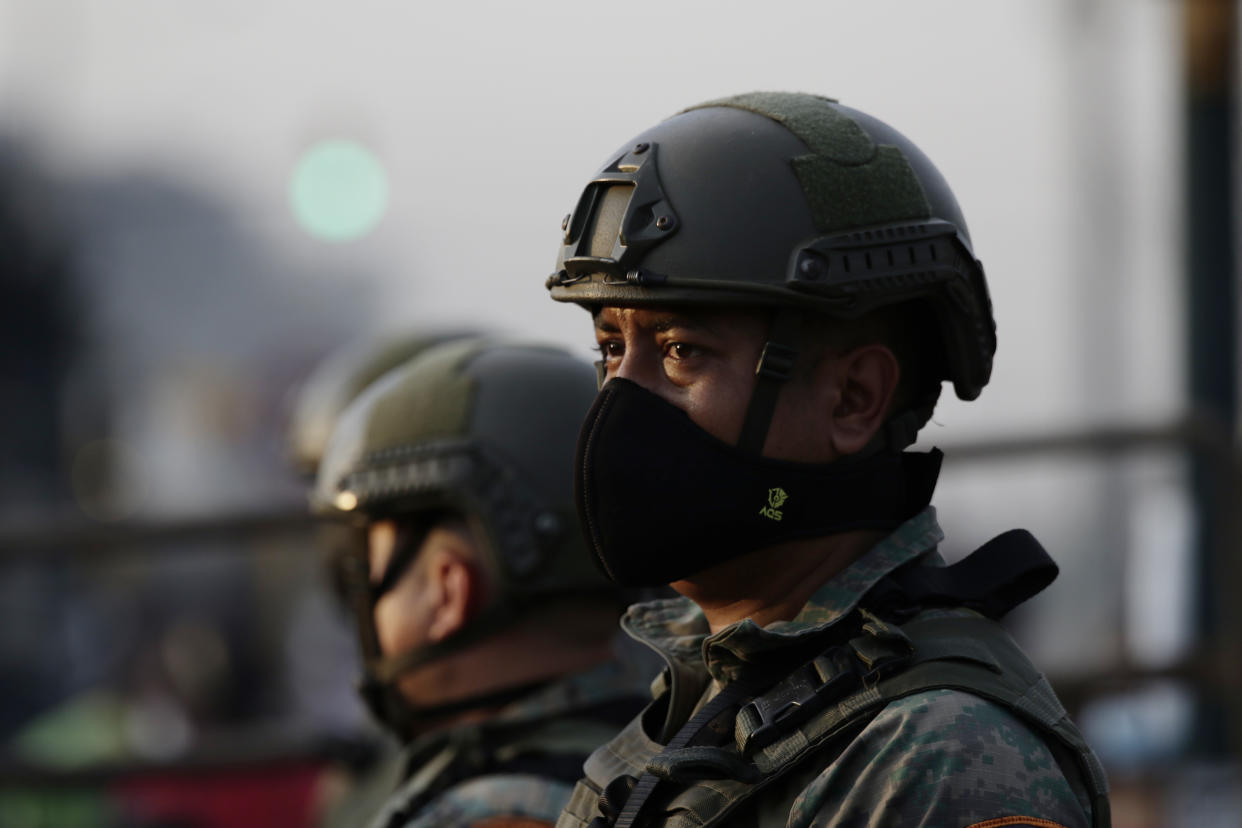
(486, 631)
(779, 286)
(316, 407)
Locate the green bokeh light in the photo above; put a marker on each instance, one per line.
(339, 191)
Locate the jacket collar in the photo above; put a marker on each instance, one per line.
(678, 631)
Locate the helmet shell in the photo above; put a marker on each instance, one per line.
(484, 428)
(780, 199)
(337, 380)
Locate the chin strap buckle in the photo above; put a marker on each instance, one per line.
(777, 361)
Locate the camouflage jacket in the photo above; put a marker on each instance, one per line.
(516, 768)
(934, 758)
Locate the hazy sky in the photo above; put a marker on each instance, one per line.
(1053, 121)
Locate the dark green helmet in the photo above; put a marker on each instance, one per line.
(335, 382)
(483, 428)
(783, 200)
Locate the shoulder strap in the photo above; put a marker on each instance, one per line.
(964, 652)
(1006, 571)
(680, 752)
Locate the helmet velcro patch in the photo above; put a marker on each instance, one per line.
(847, 179)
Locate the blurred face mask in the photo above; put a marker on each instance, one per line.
(661, 499)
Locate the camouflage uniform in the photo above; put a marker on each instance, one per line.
(935, 758)
(516, 768)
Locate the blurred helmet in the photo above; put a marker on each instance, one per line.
(480, 428)
(484, 430)
(337, 380)
(783, 200)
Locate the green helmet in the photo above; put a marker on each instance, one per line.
(782, 200)
(485, 429)
(336, 381)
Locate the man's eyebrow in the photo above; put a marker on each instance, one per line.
(672, 321)
(661, 325)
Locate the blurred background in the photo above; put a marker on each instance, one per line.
(200, 200)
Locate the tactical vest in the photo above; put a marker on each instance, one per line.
(544, 751)
(808, 717)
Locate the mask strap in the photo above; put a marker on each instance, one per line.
(380, 674)
(357, 582)
(775, 367)
(363, 595)
(390, 707)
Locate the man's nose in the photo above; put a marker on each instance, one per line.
(640, 365)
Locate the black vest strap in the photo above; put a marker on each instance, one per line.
(992, 580)
(732, 696)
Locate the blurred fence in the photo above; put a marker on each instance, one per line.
(279, 541)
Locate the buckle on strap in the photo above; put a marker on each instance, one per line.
(832, 676)
(841, 670)
(776, 361)
(881, 648)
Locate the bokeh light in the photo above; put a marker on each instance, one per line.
(339, 190)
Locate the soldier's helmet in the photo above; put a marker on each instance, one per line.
(338, 379)
(479, 428)
(781, 200)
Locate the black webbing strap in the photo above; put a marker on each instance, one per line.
(733, 695)
(992, 580)
(774, 368)
(356, 580)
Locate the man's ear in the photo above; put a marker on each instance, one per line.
(867, 379)
(458, 588)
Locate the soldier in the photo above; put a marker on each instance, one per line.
(485, 630)
(779, 285)
(347, 799)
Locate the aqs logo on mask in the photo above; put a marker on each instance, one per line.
(776, 499)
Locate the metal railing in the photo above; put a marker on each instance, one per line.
(1213, 665)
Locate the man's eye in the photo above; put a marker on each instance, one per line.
(611, 350)
(681, 350)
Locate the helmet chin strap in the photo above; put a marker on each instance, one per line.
(378, 686)
(775, 367)
(387, 669)
(406, 720)
(379, 689)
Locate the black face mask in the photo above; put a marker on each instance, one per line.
(660, 498)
